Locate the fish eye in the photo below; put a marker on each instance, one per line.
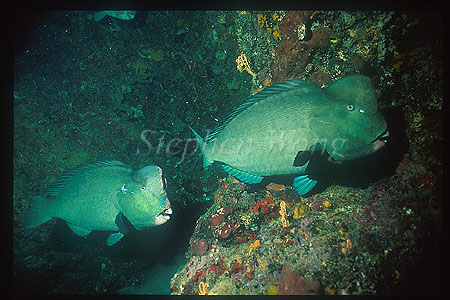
(143, 187)
(350, 107)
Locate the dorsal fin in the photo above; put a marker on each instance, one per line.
(268, 91)
(55, 188)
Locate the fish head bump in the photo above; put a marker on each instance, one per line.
(350, 125)
(144, 199)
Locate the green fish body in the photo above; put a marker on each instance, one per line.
(118, 14)
(106, 195)
(275, 131)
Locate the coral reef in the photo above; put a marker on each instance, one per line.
(200, 247)
(293, 51)
(329, 233)
(127, 90)
(292, 284)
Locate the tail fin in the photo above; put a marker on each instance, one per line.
(37, 214)
(206, 161)
(198, 137)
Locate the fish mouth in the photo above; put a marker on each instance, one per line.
(167, 211)
(382, 137)
(165, 214)
(380, 141)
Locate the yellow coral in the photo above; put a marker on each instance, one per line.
(330, 290)
(264, 23)
(257, 91)
(262, 20)
(242, 64)
(283, 214)
(300, 210)
(276, 33)
(202, 288)
(256, 244)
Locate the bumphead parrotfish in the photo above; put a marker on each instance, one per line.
(275, 131)
(118, 14)
(106, 195)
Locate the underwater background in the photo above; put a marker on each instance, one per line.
(88, 90)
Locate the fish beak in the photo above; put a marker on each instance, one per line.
(166, 213)
(382, 137)
(380, 140)
(164, 216)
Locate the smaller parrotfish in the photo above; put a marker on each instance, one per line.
(118, 14)
(106, 195)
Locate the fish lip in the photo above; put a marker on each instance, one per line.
(166, 213)
(382, 137)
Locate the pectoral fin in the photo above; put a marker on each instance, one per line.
(114, 238)
(79, 230)
(124, 225)
(302, 158)
(303, 184)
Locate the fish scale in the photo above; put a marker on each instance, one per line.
(106, 195)
(271, 128)
(342, 119)
(108, 208)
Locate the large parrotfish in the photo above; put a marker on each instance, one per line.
(275, 131)
(106, 195)
(118, 14)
